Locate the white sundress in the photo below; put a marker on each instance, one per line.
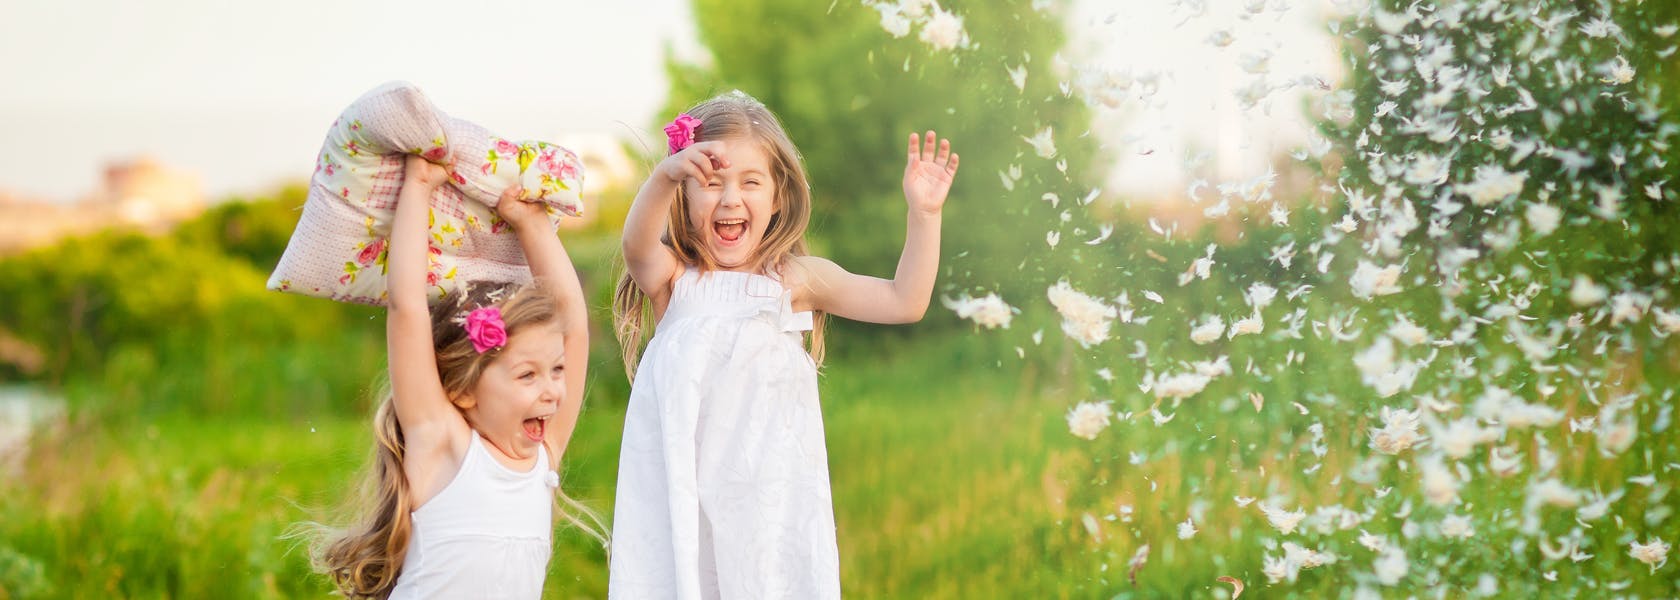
(723, 487)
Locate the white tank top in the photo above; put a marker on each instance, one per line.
(486, 535)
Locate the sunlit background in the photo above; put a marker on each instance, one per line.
(1235, 294)
(233, 96)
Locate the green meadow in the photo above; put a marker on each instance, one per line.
(188, 452)
(178, 469)
(939, 488)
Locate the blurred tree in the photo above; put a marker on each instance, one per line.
(256, 230)
(1572, 103)
(849, 94)
(80, 299)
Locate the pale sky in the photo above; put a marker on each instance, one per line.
(1196, 110)
(242, 93)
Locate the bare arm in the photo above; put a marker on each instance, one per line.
(650, 263)
(903, 299)
(553, 269)
(425, 413)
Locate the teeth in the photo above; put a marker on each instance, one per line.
(732, 221)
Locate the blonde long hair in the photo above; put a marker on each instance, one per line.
(364, 558)
(729, 116)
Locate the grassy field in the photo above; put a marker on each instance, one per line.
(178, 474)
(940, 489)
(953, 471)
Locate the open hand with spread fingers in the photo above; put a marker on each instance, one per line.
(928, 173)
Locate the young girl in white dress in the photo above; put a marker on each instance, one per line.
(485, 391)
(723, 487)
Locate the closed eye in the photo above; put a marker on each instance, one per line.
(527, 375)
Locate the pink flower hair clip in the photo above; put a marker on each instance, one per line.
(485, 328)
(680, 133)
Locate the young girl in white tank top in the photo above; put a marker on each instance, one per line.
(485, 389)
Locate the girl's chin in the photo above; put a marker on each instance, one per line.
(526, 446)
(731, 255)
(520, 439)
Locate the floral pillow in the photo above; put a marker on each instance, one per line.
(338, 249)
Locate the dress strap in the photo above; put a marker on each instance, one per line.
(541, 469)
(781, 314)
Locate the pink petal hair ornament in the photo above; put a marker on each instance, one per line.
(485, 328)
(680, 133)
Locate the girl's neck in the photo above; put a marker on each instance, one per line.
(757, 268)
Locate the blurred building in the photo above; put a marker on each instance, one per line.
(141, 193)
(27, 223)
(145, 193)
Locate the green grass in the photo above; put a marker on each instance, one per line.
(924, 466)
(954, 477)
(945, 481)
(178, 507)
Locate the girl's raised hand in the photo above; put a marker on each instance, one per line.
(521, 213)
(928, 173)
(420, 171)
(700, 161)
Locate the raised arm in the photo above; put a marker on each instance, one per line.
(553, 269)
(651, 264)
(928, 174)
(423, 410)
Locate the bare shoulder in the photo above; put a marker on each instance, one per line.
(654, 272)
(659, 290)
(661, 297)
(806, 277)
(432, 454)
(808, 269)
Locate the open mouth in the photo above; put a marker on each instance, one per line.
(535, 427)
(730, 230)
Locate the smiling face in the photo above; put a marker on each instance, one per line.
(519, 390)
(730, 213)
